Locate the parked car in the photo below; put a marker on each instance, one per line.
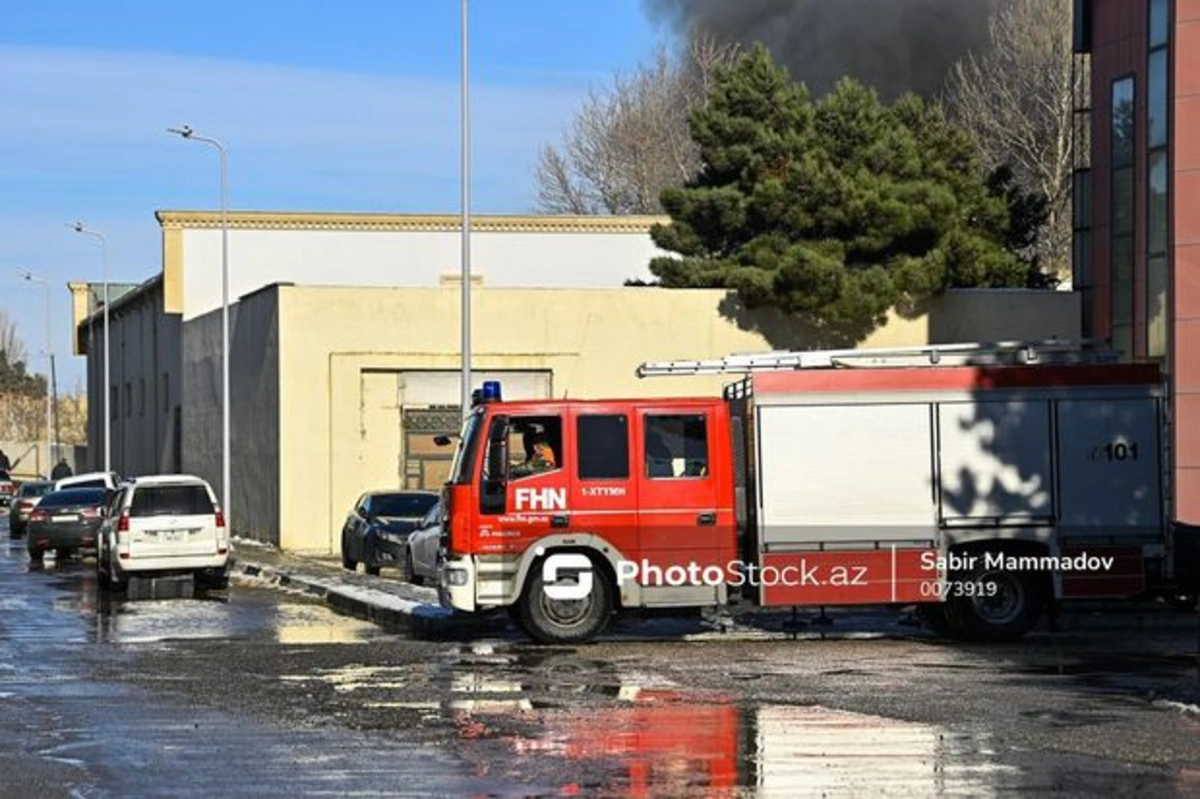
(7, 488)
(163, 525)
(108, 480)
(377, 529)
(66, 522)
(23, 503)
(420, 562)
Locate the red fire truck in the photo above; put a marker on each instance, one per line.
(978, 483)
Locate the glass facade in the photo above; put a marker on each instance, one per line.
(1123, 198)
(1157, 178)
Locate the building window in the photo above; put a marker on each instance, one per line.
(1157, 179)
(166, 392)
(1121, 250)
(142, 396)
(1081, 16)
(1159, 20)
(1156, 202)
(128, 399)
(1081, 244)
(1156, 98)
(112, 402)
(603, 447)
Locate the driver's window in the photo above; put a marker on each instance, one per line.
(535, 445)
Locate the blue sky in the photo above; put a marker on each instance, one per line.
(347, 106)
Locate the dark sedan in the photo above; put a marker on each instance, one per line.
(377, 530)
(23, 503)
(65, 521)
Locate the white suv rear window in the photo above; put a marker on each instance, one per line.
(186, 500)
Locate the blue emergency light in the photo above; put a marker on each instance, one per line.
(491, 391)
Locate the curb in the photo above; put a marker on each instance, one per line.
(391, 611)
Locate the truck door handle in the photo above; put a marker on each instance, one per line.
(559, 521)
(706, 519)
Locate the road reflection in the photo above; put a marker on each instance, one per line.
(672, 743)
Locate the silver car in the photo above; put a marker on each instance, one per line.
(421, 557)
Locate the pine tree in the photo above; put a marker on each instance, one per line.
(837, 210)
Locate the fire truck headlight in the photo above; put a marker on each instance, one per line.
(456, 577)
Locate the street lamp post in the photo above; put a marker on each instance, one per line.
(466, 219)
(32, 278)
(187, 133)
(79, 228)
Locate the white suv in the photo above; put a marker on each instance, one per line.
(163, 525)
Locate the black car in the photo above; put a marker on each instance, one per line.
(377, 529)
(65, 521)
(23, 503)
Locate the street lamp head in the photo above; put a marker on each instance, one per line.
(77, 226)
(185, 131)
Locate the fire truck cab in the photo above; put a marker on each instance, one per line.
(979, 488)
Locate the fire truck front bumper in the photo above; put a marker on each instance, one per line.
(457, 584)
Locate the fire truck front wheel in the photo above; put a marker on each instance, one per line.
(1003, 607)
(552, 618)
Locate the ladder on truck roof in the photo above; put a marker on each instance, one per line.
(991, 354)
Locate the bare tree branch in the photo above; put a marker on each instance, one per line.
(10, 342)
(629, 141)
(1016, 99)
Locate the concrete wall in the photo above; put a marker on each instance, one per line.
(144, 391)
(591, 341)
(32, 460)
(1004, 315)
(254, 405)
(397, 249)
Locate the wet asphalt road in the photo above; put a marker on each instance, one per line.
(256, 692)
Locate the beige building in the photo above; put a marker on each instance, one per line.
(339, 383)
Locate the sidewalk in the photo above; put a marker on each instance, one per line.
(394, 605)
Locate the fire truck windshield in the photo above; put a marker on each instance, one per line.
(468, 445)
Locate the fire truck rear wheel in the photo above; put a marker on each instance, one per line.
(564, 621)
(1003, 613)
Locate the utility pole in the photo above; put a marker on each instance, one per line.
(54, 393)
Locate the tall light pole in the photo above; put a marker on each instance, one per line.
(466, 219)
(187, 133)
(79, 228)
(32, 278)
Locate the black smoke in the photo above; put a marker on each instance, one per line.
(895, 46)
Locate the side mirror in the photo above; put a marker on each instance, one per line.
(362, 513)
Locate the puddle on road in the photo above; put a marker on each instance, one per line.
(209, 615)
(666, 743)
(565, 725)
(357, 677)
(315, 624)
